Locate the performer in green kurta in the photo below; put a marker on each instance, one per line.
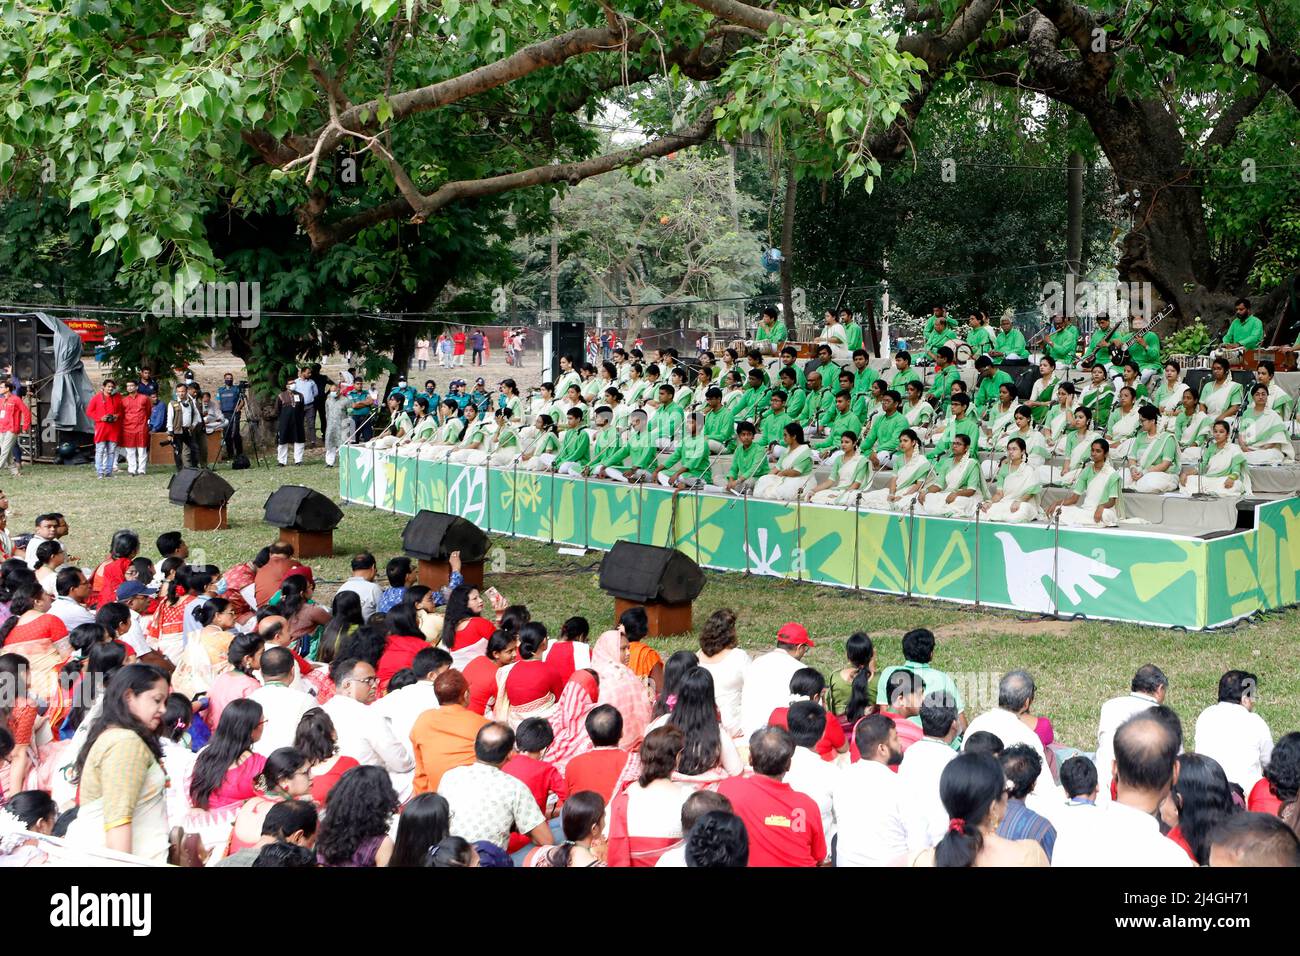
(842, 421)
(958, 423)
(1245, 331)
(990, 381)
(1008, 343)
(748, 461)
(945, 374)
(690, 465)
(719, 423)
(978, 336)
(881, 441)
(1062, 342)
(1262, 434)
(575, 446)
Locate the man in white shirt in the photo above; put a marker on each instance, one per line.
(869, 799)
(1233, 734)
(485, 802)
(1079, 781)
(136, 597)
(1015, 697)
(401, 708)
(1254, 839)
(809, 773)
(363, 733)
(767, 679)
(282, 704)
(363, 583)
(1148, 689)
(73, 590)
(47, 528)
(1126, 831)
(923, 762)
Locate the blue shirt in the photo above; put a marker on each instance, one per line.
(1021, 823)
(228, 398)
(147, 388)
(158, 417)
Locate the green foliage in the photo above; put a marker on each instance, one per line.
(1192, 339)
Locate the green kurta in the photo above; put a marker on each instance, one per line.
(748, 462)
(667, 421)
(1010, 343)
(862, 379)
(837, 426)
(692, 453)
(720, 426)
(641, 451)
(898, 381)
(1063, 345)
(1145, 350)
(884, 433)
(1246, 333)
(575, 447)
(799, 378)
(941, 387)
(986, 394)
(980, 340)
(955, 426)
(819, 405)
(772, 426)
(776, 333)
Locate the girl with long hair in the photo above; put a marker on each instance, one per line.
(225, 774)
(645, 819)
(243, 657)
(356, 819)
(1200, 800)
(722, 656)
(529, 687)
(425, 822)
(708, 753)
(973, 790)
(678, 666)
(463, 622)
(345, 618)
(317, 740)
(583, 823)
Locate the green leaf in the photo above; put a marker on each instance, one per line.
(150, 247)
(295, 27)
(6, 154)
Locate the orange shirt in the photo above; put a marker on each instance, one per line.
(642, 658)
(443, 738)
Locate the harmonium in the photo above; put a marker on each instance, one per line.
(1282, 361)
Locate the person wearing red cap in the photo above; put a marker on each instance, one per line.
(767, 679)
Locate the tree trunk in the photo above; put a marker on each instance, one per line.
(787, 249)
(1074, 225)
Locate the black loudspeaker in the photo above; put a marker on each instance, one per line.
(1245, 379)
(567, 338)
(434, 535)
(643, 572)
(301, 508)
(199, 486)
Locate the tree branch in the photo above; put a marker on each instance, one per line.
(1225, 127)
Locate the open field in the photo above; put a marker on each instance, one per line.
(1077, 665)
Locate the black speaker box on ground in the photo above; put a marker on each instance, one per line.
(301, 508)
(1025, 384)
(1195, 378)
(643, 572)
(567, 338)
(199, 486)
(434, 535)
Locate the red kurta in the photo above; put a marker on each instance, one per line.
(135, 420)
(99, 408)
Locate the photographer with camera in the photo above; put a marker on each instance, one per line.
(105, 410)
(231, 399)
(185, 424)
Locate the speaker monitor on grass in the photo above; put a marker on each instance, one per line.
(204, 494)
(431, 536)
(306, 519)
(663, 580)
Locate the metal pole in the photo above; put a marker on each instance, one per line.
(374, 485)
(551, 523)
(857, 536)
(744, 501)
(586, 505)
(697, 521)
(1056, 558)
(977, 556)
(911, 528)
(487, 495)
(514, 500)
(798, 536)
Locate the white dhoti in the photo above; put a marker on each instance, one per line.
(636, 474)
(1076, 516)
(1001, 511)
(776, 488)
(434, 452)
(1190, 455)
(885, 458)
(716, 447)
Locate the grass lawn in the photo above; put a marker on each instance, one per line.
(1076, 665)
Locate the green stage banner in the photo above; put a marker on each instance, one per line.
(1118, 575)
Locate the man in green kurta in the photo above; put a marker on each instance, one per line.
(945, 373)
(1098, 348)
(852, 331)
(719, 423)
(863, 373)
(903, 372)
(1063, 341)
(795, 397)
(690, 465)
(959, 423)
(666, 426)
(819, 403)
(789, 357)
(991, 379)
(881, 442)
(773, 421)
(1245, 331)
(842, 421)
(771, 332)
(1009, 342)
(575, 446)
(748, 463)
(754, 399)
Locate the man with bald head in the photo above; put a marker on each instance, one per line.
(486, 803)
(1126, 831)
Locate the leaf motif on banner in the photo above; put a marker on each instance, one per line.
(467, 495)
(761, 561)
(935, 579)
(1152, 579)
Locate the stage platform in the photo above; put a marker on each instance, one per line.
(1180, 574)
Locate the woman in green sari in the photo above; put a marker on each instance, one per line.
(1074, 448)
(911, 471)
(1221, 397)
(1153, 467)
(1262, 434)
(1191, 429)
(1222, 472)
(957, 490)
(1043, 393)
(850, 475)
(791, 476)
(1017, 499)
(1124, 423)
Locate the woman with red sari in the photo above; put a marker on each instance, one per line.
(225, 776)
(111, 573)
(646, 818)
(530, 687)
(570, 719)
(463, 624)
(167, 627)
(403, 642)
(620, 688)
(30, 619)
(318, 741)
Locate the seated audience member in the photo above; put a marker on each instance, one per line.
(582, 822)
(1022, 767)
(767, 678)
(973, 790)
(869, 797)
(921, 769)
(1079, 781)
(282, 704)
(486, 803)
(767, 805)
(363, 733)
(290, 821)
(1147, 689)
(1254, 839)
(602, 768)
(645, 819)
(718, 840)
(1125, 831)
(1276, 793)
(918, 651)
(403, 706)
(809, 772)
(443, 737)
(1015, 698)
(528, 764)
(696, 806)
(1199, 800)
(1233, 734)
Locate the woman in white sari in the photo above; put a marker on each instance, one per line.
(1124, 423)
(1191, 429)
(446, 435)
(1060, 418)
(544, 447)
(791, 476)
(1221, 397)
(1075, 447)
(918, 412)
(542, 404)
(1043, 393)
(734, 390)
(1001, 419)
(911, 471)
(476, 440)
(1262, 434)
(957, 490)
(1017, 498)
(850, 476)
(1278, 399)
(1025, 431)
(1096, 500)
(1223, 471)
(423, 431)
(1154, 465)
(1169, 396)
(505, 443)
